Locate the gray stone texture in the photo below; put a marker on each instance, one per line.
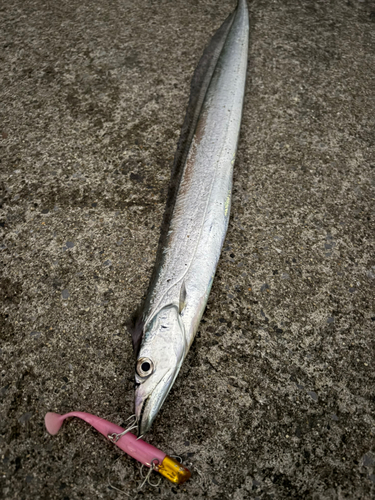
(276, 398)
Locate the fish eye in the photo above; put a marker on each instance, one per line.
(145, 367)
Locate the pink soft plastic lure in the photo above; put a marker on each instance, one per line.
(145, 453)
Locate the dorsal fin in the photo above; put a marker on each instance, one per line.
(198, 89)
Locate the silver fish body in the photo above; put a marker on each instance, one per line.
(179, 292)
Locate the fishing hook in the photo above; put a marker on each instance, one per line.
(115, 437)
(153, 466)
(111, 485)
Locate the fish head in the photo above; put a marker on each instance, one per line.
(159, 360)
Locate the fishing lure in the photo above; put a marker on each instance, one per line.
(148, 455)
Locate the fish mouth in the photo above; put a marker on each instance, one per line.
(151, 405)
(141, 428)
(146, 417)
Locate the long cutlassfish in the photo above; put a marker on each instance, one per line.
(196, 217)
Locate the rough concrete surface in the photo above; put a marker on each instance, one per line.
(276, 398)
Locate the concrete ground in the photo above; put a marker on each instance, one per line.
(276, 398)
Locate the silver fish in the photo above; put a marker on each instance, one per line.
(196, 218)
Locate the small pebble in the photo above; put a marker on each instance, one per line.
(313, 395)
(25, 417)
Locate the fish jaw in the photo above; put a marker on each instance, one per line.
(148, 400)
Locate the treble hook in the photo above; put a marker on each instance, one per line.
(115, 437)
(153, 466)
